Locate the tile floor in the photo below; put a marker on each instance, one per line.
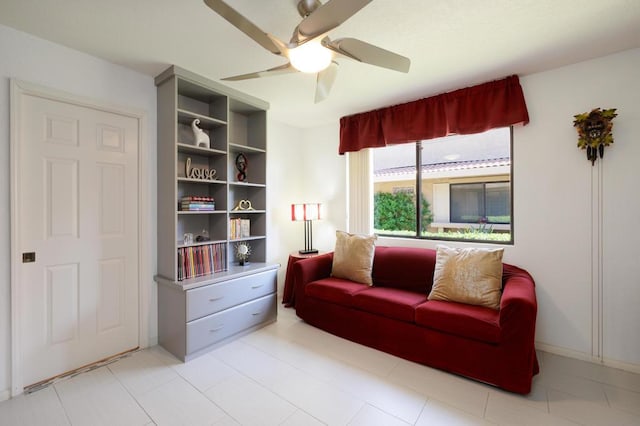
(290, 373)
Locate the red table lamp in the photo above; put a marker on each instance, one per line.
(306, 213)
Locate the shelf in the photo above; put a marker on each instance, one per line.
(187, 117)
(192, 149)
(200, 243)
(188, 212)
(190, 180)
(255, 185)
(237, 148)
(184, 304)
(246, 211)
(253, 237)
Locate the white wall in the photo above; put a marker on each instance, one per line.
(303, 167)
(285, 186)
(27, 58)
(566, 186)
(325, 182)
(555, 191)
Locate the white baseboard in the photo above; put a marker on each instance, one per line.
(570, 353)
(5, 394)
(633, 368)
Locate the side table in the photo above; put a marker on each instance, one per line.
(288, 293)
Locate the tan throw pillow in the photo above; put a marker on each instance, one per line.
(470, 275)
(353, 257)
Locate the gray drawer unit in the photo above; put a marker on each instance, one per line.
(194, 318)
(209, 330)
(206, 300)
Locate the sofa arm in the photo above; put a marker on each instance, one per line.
(311, 269)
(518, 304)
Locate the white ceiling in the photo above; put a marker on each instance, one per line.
(451, 43)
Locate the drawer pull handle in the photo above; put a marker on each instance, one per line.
(213, 299)
(256, 313)
(257, 286)
(213, 330)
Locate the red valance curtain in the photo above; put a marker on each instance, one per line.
(474, 109)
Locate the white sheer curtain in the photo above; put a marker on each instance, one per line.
(360, 192)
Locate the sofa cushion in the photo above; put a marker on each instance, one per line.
(408, 268)
(470, 275)
(389, 302)
(469, 321)
(353, 257)
(334, 290)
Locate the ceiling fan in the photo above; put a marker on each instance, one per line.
(310, 50)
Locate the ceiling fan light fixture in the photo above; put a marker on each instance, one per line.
(310, 57)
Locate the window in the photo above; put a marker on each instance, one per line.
(486, 202)
(460, 191)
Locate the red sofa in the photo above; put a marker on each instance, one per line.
(394, 315)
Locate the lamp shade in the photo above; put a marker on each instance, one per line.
(310, 57)
(305, 211)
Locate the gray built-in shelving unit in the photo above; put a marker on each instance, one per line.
(196, 314)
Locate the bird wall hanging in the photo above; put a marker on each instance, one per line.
(594, 131)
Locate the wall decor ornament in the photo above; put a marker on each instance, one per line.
(243, 251)
(594, 131)
(199, 136)
(243, 205)
(241, 166)
(204, 236)
(198, 173)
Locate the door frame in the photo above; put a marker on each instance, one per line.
(18, 89)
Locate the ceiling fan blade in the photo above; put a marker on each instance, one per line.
(327, 17)
(368, 53)
(282, 69)
(325, 81)
(243, 24)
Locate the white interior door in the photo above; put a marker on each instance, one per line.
(78, 195)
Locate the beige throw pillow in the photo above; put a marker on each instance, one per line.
(353, 257)
(470, 275)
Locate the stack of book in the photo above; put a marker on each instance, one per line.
(201, 260)
(239, 228)
(194, 203)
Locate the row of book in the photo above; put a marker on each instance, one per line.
(201, 260)
(239, 228)
(193, 203)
